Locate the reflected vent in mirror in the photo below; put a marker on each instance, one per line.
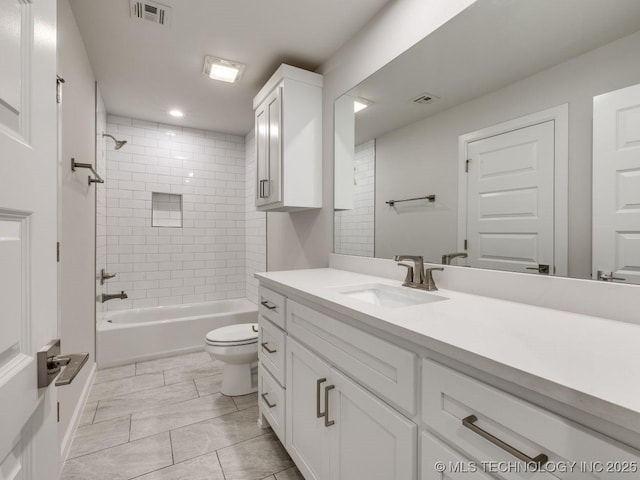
(424, 98)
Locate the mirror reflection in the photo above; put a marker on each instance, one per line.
(481, 145)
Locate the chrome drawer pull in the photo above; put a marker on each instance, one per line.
(319, 414)
(469, 422)
(264, 397)
(327, 389)
(268, 304)
(264, 345)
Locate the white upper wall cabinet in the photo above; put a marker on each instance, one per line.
(288, 115)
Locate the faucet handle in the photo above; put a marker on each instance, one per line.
(409, 278)
(428, 278)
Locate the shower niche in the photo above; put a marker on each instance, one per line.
(166, 210)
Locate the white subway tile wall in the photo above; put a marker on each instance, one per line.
(256, 225)
(205, 259)
(354, 229)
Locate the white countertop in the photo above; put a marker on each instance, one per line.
(590, 363)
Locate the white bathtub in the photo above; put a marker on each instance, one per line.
(145, 333)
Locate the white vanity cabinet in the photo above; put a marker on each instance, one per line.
(503, 431)
(361, 404)
(271, 356)
(337, 430)
(288, 130)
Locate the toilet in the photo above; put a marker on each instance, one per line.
(237, 347)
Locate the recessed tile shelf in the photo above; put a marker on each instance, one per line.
(166, 210)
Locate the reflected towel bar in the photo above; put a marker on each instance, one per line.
(431, 198)
(75, 165)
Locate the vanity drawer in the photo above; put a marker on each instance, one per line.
(449, 397)
(388, 370)
(271, 348)
(271, 400)
(272, 306)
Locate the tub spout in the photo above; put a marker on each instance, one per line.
(106, 297)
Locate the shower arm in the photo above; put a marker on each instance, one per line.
(75, 165)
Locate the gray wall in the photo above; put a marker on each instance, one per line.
(77, 210)
(305, 239)
(423, 156)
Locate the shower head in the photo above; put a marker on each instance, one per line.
(119, 143)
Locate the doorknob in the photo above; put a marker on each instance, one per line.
(50, 362)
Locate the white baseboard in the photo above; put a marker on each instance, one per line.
(65, 447)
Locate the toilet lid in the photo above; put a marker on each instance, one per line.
(243, 333)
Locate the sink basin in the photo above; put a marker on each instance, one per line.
(389, 296)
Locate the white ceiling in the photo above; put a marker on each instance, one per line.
(144, 70)
(491, 44)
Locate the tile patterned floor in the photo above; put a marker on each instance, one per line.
(166, 419)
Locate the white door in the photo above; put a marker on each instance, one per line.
(274, 107)
(510, 200)
(369, 439)
(616, 184)
(306, 434)
(262, 162)
(28, 229)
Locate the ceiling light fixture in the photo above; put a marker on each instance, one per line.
(360, 104)
(223, 70)
(176, 113)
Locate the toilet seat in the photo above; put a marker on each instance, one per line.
(233, 335)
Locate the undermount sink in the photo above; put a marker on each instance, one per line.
(389, 296)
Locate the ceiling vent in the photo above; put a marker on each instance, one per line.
(151, 12)
(424, 98)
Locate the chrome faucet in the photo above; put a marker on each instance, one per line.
(106, 296)
(446, 259)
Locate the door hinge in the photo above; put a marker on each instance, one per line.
(465, 243)
(59, 82)
(58, 412)
(466, 165)
(58, 252)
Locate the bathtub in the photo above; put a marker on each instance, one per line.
(129, 336)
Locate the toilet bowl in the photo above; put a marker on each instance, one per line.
(236, 346)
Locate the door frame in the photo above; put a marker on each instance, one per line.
(560, 116)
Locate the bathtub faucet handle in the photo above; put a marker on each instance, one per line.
(105, 276)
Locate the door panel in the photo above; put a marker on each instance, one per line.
(274, 106)
(28, 235)
(510, 202)
(616, 184)
(261, 154)
(307, 438)
(370, 440)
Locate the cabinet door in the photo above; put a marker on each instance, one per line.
(307, 438)
(262, 159)
(273, 187)
(370, 440)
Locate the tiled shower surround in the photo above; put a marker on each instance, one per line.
(354, 229)
(203, 260)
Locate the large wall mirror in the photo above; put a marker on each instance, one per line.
(507, 139)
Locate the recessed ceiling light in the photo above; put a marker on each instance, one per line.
(223, 70)
(176, 113)
(360, 104)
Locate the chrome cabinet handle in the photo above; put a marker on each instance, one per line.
(268, 304)
(264, 397)
(264, 345)
(469, 422)
(319, 414)
(327, 389)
